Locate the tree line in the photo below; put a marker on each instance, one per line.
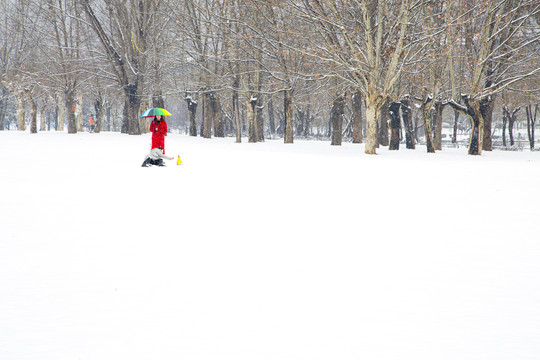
(371, 70)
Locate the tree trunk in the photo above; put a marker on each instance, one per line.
(307, 128)
(55, 116)
(417, 121)
(511, 116)
(61, 121)
(511, 130)
(61, 103)
(144, 123)
(356, 101)
(98, 108)
(133, 103)
(372, 115)
(236, 109)
(115, 119)
(477, 131)
(395, 125)
(260, 120)
(157, 100)
(3, 108)
(252, 120)
(336, 118)
(50, 115)
(437, 131)
(70, 107)
(271, 119)
(192, 111)
(426, 115)
(207, 116)
(288, 112)
(203, 109)
(300, 120)
(472, 109)
(236, 114)
(454, 132)
(33, 114)
(133, 107)
(531, 122)
(217, 115)
(505, 121)
(21, 111)
(42, 119)
(487, 106)
(79, 113)
(407, 122)
(108, 115)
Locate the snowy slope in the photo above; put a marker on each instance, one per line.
(265, 251)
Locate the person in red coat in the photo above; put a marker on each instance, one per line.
(158, 128)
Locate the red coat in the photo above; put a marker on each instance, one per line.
(158, 130)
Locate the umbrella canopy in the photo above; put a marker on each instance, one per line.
(154, 112)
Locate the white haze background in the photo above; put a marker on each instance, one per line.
(265, 251)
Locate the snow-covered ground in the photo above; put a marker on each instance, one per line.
(265, 251)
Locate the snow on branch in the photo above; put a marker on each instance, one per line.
(455, 105)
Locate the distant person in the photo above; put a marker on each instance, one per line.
(92, 124)
(155, 157)
(158, 128)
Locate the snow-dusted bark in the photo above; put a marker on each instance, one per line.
(192, 111)
(288, 109)
(356, 101)
(21, 110)
(236, 110)
(69, 97)
(61, 103)
(531, 122)
(3, 106)
(472, 109)
(336, 118)
(395, 125)
(426, 108)
(79, 113)
(510, 117)
(408, 123)
(372, 115)
(98, 113)
(251, 115)
(33, 113)
(437, 128)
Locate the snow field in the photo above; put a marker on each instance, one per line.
(265, 251)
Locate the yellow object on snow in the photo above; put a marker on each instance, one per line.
(179, 161)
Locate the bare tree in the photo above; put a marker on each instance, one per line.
(365, 43)
(63, 60)
(18, 55)
(531, 122)
(501, 44)
(124, 40)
